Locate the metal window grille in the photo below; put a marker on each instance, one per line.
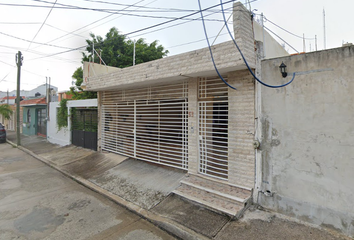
(213, 128)
(149, 124)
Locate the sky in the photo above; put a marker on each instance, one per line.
(52, 39)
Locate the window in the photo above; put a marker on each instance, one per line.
(29, 115)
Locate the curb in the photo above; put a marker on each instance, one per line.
(164, 223)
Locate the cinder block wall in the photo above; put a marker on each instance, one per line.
(241, 129)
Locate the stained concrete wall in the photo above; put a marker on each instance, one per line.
(307, 138)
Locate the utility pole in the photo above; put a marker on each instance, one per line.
(316, 42)
(324, 29)
(93, 52)
(7, 96)
(19, 59)
(134, 54)
(264, 45)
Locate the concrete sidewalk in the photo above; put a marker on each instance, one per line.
(146, 189)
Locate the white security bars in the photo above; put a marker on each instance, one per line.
(213, 128)
(149, 124)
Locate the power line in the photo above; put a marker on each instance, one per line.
(140, 30)
(88, 24)
(20, 23)
(287, 30)
(179, 18)
(244, 59)
(174, 25)
(113, 11)
(200, 40)
(281, 39)
(26, 40)
(42, 24)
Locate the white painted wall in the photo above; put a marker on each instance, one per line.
(272, 49)
(61, 137)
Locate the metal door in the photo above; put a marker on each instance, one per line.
(84, 128)
(213, 128)
(41, 122)
(149, 124)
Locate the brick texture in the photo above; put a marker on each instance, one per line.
(241, 129)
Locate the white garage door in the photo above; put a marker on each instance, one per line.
(149, 124)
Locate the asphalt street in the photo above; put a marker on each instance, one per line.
(38, 202)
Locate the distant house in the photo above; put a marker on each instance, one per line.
(10, 124)
(11, 100)
(64, 95)
(34, 113)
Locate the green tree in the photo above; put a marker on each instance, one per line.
(115, 51)
(77, 92)
(5, 111)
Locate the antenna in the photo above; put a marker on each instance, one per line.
(303, 42)
(324, 28)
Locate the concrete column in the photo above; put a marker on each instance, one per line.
(99, 124)
(243, 30)
(193, 160)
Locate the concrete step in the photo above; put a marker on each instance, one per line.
(213, 194)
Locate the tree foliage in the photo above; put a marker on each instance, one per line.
(5, 111)
(62, 116)
(115, 51)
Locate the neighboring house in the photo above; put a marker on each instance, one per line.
(306, 133)
(177, 112)
(10, 100)
(82, 124)
(64, 95)
(34, 113)
(10, 124)
(31, 93)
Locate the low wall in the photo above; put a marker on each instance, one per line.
(61, 137)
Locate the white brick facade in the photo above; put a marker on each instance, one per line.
(194, 65)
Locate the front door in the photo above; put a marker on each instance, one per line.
(41, 122)
(213, 128)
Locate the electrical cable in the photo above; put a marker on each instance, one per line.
(287, 30)
(243, 57)
(179, 18)
(174, 25)
(42, 24)
(211, 52)
(200, 40)
(155, 8)
(26, 40)
(114, 11)
(96, 22)
(20, 23)
(281, 39)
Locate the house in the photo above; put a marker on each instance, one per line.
(177, 112)
(34, 113)
(64, 95)
(42, 89)
(10, 124)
